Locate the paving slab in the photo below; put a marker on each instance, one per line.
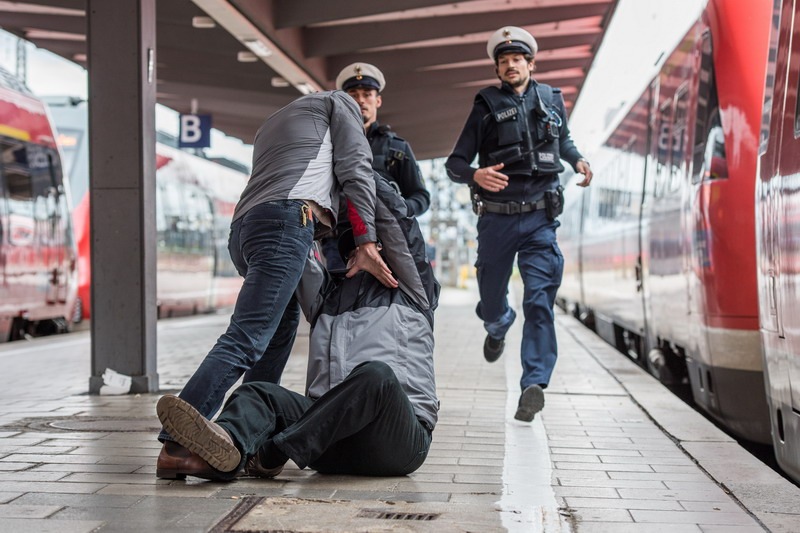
(612, 451)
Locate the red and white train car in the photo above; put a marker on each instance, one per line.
(195, 198)
(37, 252)
(778, 233)
(660, 250)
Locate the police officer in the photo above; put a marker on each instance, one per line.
(519, 132)
(391, 155)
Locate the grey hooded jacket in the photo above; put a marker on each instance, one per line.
(358, 319)
(310, 150)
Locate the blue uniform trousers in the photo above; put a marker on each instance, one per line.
(532, 237)
(269, 246)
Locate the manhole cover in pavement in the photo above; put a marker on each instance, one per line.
(107, 424)
(89, 424)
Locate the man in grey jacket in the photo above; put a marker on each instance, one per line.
(370, 403)
(303, 156)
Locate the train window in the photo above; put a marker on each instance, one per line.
(664, 140)
(42, 187)
(715, 162)
(607, 203)
(797, 111)
(706, 106)
(769, 84)
(679, 140)
(21, 227)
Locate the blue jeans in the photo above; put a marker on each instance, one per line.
(532, 237)
(269, 246)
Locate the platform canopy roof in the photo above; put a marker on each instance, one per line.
(433, 53)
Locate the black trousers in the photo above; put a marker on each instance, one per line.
(363, 426)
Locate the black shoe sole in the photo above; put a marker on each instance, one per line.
(493, 355)
(191, 430)
(530, 403)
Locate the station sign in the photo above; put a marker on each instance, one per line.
(195, 131)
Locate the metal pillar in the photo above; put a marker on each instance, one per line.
(122, 95)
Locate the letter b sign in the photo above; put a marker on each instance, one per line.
(195, 131)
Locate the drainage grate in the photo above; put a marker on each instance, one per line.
(240, 511)
(391, 515)
(264, 514)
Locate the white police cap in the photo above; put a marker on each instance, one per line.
(360, 75)
(511, 39)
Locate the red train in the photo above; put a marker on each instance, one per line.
(38, 257)
(660, 251)
(778, 234)
(195, 198)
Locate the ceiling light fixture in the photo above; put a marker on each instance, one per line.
(257, 47)
(246, 57)
(203, 22)
(306, 88)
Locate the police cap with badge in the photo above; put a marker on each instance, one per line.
(511, 39)
(360, 76)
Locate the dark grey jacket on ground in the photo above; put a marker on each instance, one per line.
(310, 150)
(358, 319)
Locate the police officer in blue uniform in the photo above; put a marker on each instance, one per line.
(519, 133)
(391, 155)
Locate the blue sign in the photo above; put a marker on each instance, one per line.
(195, 131)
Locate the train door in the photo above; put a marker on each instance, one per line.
(679, 188)
(646, 215)
(667, 293)
(5, 314)
(788, 215)
(51, 216)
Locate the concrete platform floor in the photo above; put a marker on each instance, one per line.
(612, 451)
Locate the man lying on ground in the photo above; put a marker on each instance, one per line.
(371, 402)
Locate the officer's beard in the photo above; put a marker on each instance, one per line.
(520, 82)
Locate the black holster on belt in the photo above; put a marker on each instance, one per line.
(554, 202)
(477, 203)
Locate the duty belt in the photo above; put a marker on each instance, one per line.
(511, 208)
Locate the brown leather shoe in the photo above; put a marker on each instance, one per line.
(191, 429)
(255, 468)
(176, 462)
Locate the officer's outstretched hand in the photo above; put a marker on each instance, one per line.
(368, 258)
(490, 179)
(584, 168)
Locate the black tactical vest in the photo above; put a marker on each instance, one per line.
(527, 129)
(388, 151)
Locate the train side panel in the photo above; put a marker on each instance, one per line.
(37, 252)
(726, 358)
(778, 216)
(194, 204)
(682, 300)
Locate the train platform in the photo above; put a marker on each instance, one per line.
(613, 451)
